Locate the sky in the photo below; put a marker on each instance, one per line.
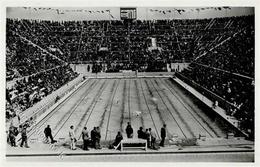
(143, 13)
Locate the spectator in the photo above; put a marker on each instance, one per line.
(148, 138)
(12, 134)
(163, 135)
(129, 130)
(73, 139)
(48, 134)
(15, 122)
(153, 138)
(85, 138)
(140, 133)
(24, 137)
(98, 137)
(215, 104)
(93, 136)
(117, 141)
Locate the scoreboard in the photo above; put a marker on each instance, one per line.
(128, 13)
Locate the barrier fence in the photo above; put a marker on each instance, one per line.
(48, 101)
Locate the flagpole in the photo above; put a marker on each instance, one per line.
(146, 13)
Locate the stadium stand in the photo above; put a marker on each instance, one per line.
(221, 52)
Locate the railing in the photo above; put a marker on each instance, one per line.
(209, 94)
(39, 108)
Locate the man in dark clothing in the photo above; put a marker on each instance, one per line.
(129, 130)
(85, 138)
(12, 135)
(118, 139)
(98, 137)
(93, 136)
(24, 137)
(163, 135)
(140, 133)
(47, 132)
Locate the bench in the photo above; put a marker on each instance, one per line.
(133, 143)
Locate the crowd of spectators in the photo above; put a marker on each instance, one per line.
(227, 44)
(30, 90)
(228, 71)
(84, 41)
(236, 90)
(23, 59)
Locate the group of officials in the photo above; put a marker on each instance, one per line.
(88, 140)
(93, 140)
(150, 136)
(16, 128)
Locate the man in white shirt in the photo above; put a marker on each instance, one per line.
(15, 122)
(153, 138)
(72, 138)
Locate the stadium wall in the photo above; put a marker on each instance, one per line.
(41, 107)
(87, 67)
(221, 119)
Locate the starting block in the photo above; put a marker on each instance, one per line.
(33, 140)
(230, 135)
(202, 137)
(61, 140)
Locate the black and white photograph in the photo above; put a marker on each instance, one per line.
(129, 83)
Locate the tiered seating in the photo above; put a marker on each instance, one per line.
(180, 40)
(28, 91)
(232, 75)
(226, 44)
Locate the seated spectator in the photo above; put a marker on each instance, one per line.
(129, 130)
(117, 141)
(140, 133)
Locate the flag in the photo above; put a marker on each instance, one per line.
(103, 49)
(111, 16)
